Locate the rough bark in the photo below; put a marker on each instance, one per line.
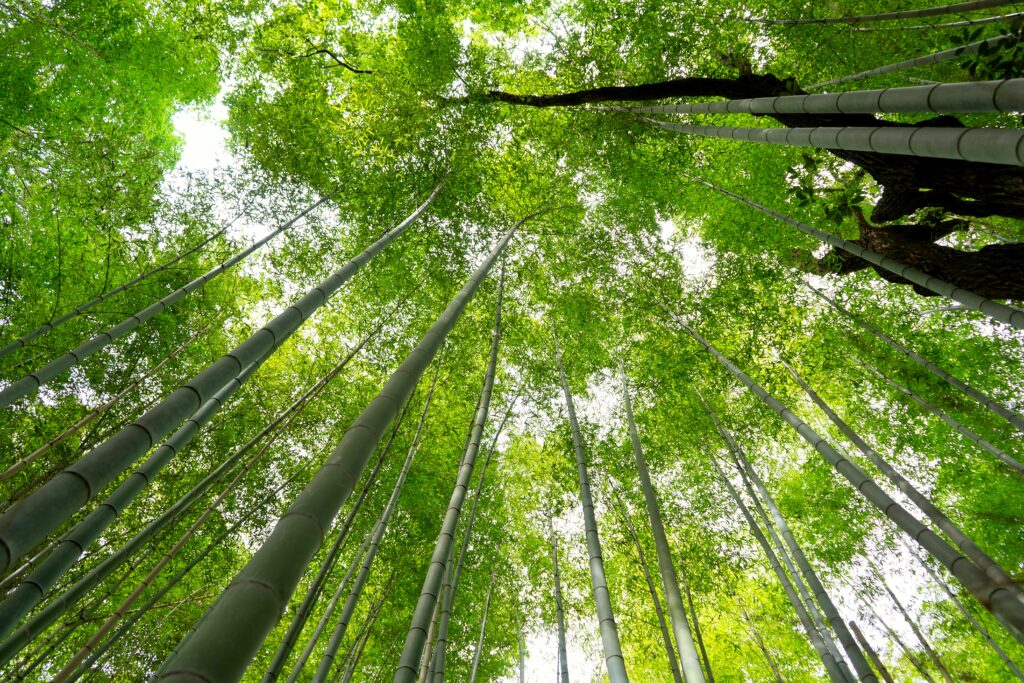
(968, 188)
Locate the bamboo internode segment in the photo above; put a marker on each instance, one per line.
(888, 16)
(997, 311)
(1003, 146)
(1006, 95)
(924, 60)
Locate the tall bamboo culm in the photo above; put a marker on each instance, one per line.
(563, 651)
(957, 8)
(1000, 601)
(606, 618)
(27, 523)
(414, 640)
(229, 635)
(669, 581)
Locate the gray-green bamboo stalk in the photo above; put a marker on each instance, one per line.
(441, 649)
(985, 145)
(669, 581)
(75, 312)
(929, 650)
(217, 648)
(428, 649)
(520, 641)
(414, 641)
(828, 660)
(967, 546)
(316, 586)
(985, 445)
(30, 383)
(982, 631)
(999, 600)
(997, 311)
(708, 673)
(1011, 416)
(62, 603)
(751, 477)
(760, 644)
(27, 523)
(957, 8)
(950, 24)
(563, 652)
(907, 652)
(613, 659)
(972, 96)
(475, 668)
(100, 409)
(341, 626)
(1007, 39)
(673, 663)
(870, 652)
(364, 634)
(127, 625)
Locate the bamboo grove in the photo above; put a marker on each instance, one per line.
(434, 340)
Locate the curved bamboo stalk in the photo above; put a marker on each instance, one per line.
(1005, 95)
(997, 311)
(1011, 416)
(75, 312)
(673, 663)
(606, 618)
(341, 626)
(563, 656)
(942, 415)
(475, 668)
(752, 479)
(957, 8)
(100, 409)
(967, 546)
(989, 145)
(872, 655)
(316, 586)
(669, 581)
(999, 600)
(835, 674)
(260, 592)
(413, 648)
(30, 383)
(1004, 40)
(62, 603)
(27, 523)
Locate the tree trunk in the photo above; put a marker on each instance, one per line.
(673, 663)
(669, 581)
(932, 654)
(939, 413)
(1011, 416)
(872, 655)
(949, 184)
(413, 648)
(990, 567)
(958, 8)
(327, 658)
(483, 629)
(696, 626)
(609, 633)
(27, 523)
(262, 589)
(760, 645)
(903, 646)
(1000, 601)
(750, 475)
(835, 674)
(563, 652)
(428, 649)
